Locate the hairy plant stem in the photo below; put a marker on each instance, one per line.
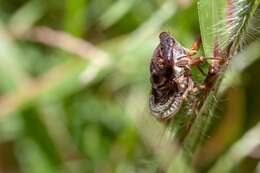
(198, 126)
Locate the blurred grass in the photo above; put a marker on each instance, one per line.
(74, 85)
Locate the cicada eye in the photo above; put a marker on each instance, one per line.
(171, 41)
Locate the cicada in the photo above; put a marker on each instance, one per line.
(170, 75)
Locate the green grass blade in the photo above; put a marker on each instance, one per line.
(238, 151)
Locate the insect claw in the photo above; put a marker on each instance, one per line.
(202, 87)
(199, 88)
(192, 52)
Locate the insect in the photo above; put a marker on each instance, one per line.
(170, 76)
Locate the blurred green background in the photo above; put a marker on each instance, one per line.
(74, 86)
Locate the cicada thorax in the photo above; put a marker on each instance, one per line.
(169, 48)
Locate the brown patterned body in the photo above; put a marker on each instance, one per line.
(171, 78)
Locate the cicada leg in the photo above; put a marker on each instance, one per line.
(195, 46)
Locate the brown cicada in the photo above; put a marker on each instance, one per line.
(171, 76)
